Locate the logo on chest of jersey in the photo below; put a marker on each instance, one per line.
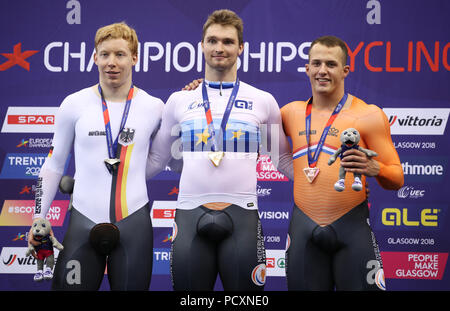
(243, 104)
(97, 133)
(126, 136)
(238, 103)
(332, 132)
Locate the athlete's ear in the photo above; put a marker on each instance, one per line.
(135, 59)
(307, 69)
(346, 70)
(241, 48)
(95, 58)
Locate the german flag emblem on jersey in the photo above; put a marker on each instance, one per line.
(118, 200)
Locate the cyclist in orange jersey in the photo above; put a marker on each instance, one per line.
(330, 244)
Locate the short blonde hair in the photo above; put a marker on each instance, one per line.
(225, 17)
(118, 31)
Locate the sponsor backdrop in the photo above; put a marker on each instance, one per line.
(399, 60)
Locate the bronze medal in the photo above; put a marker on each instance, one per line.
(311, 173)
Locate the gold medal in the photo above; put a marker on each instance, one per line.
(311, 173)
(216, 157)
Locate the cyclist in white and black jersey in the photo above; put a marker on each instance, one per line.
(220, 127)
(109, 126)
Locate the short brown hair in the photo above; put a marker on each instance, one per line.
(332, 41)
(118, 31)
(225, 17)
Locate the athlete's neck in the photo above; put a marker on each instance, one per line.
(215, 75)
(327, 101)
(115, 94)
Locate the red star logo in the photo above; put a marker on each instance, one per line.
(174, 191)
(25, 189)
(17, 58)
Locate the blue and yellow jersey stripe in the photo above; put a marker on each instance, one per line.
(239, 136)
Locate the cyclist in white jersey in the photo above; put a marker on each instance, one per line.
(219, 128)
(110, 186)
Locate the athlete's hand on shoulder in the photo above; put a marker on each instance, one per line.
(193, 85)
(355, 161)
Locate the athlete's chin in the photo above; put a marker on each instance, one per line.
(113, 83)
(323, 90)
(111, 78)
(220, 67)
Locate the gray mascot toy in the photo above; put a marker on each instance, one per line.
(349, 139)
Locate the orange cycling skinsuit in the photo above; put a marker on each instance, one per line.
(330, 243)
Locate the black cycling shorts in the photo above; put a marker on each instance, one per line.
(343, 255)
(129, 265)
(228, 242)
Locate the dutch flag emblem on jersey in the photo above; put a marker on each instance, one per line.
(302, 151)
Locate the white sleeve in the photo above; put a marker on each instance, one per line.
(163, 148)
(280, 151)
(53, 167)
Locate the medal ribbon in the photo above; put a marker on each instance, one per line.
(312, 159)
(226, 114)
(112, 146)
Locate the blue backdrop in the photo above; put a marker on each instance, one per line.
(399, 59)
